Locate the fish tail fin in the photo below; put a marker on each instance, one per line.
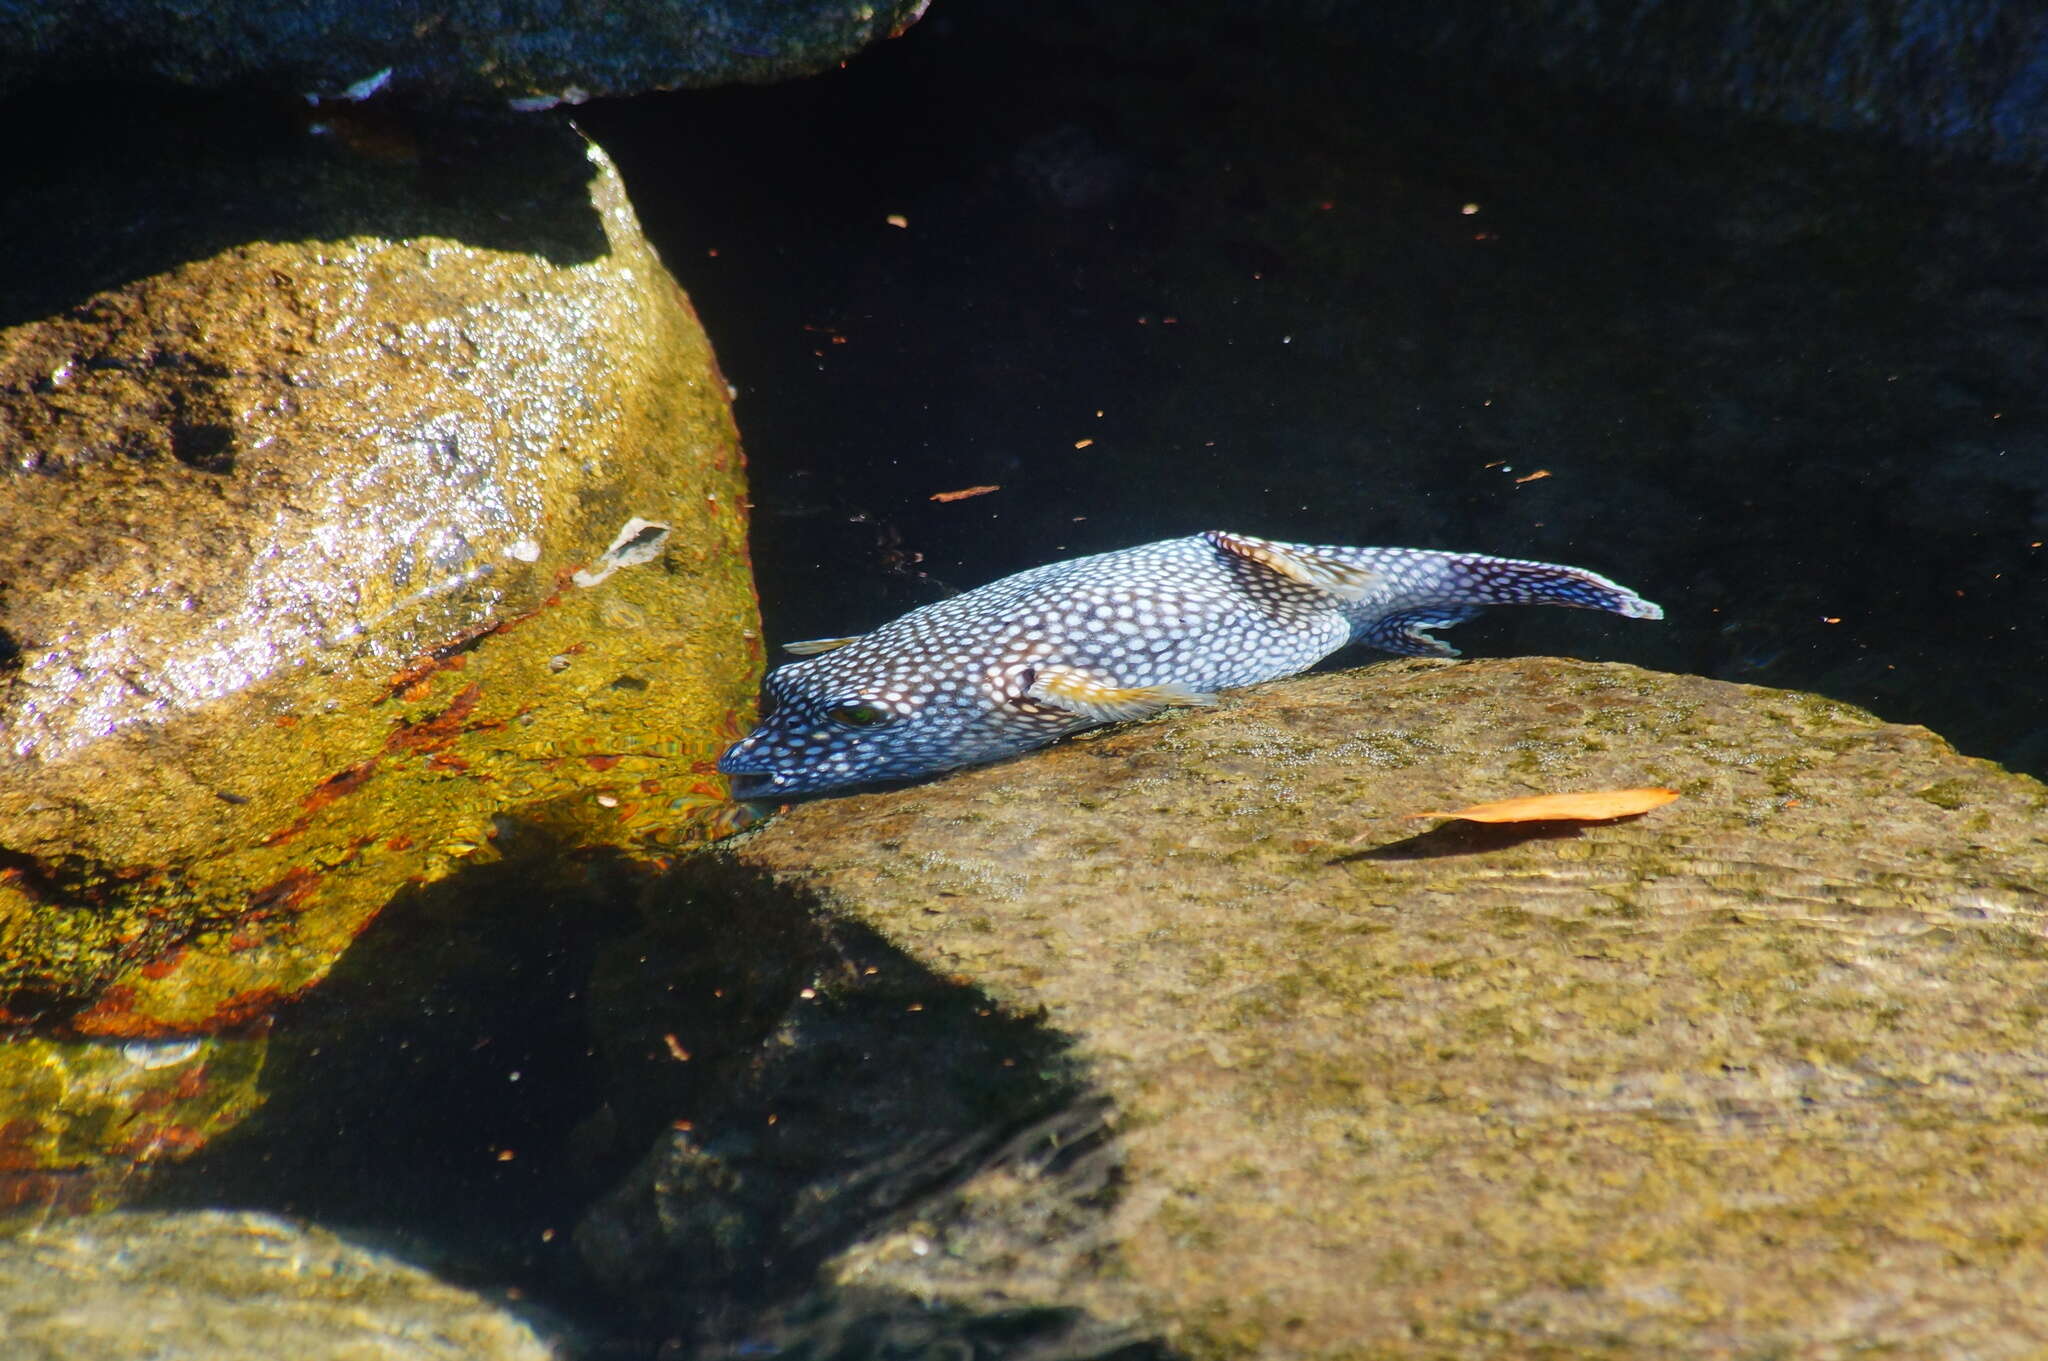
(1426, 590)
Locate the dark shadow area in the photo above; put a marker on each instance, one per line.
(646, 1112)
(875, 1091)
(117, 183)
(1458, 837)
(424, 1096)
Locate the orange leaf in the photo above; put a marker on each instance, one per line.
(1593, 805)
(963, 493)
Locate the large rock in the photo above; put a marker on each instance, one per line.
(469, 48)
(1223, 1049)
(1955, 75)
(306, 577)
(212, 1286)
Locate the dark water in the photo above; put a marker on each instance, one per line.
(1789, 385)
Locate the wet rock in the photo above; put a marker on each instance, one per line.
(799, 1078)
(291, 514)
(74, 1111)
(214, 1286)
(468, 49)
(1756, 1071)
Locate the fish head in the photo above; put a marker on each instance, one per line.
(829, 724)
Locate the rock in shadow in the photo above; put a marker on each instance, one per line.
(122, 182)
(766, 1089)
(425, 1098)
(817, 1100)
(1458, 837)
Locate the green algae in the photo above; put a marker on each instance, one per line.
(1948, 794)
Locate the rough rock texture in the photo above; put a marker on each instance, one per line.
(468, 48)
(1964, 75)
(1759, 1073)
(82, 1121)
(213, 1286)
(303, 533)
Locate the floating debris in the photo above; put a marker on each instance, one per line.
(1592, 805)
(356, 93)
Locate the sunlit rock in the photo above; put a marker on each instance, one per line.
(293, 491)
(1225, 1049)
(213, 1286)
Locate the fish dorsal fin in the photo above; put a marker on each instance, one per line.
(1322, 571)
(811, 647)
(1086, 695)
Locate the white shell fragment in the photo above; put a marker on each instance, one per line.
(356, 93)
(159, 1053)
(572, 94)
(639, 541)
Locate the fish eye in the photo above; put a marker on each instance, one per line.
(859, 715)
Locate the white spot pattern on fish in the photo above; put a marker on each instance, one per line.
(1033, 657)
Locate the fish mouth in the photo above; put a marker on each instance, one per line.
(757, 784)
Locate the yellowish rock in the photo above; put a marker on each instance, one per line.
(1755, 1074)
(292, 536)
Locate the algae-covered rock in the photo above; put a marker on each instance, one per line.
(398, 498)
(215, 1286)
(1755, 1074)
(468, 48)
(81, 1121)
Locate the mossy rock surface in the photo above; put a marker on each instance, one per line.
(302, 537)
(1756, 1074)
(220, 1286)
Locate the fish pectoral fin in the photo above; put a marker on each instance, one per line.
(1309, 567)
(1088, 696)
(811, 647)
(1407, 633)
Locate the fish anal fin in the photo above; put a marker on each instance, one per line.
(811, 647)
(1407, 633)
(1089, 696)
(1305, 566)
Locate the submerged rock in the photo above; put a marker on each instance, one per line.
(291, 516)
(218, 1286)
(1965, 76)
(1290, 1074)
(82, 1122)
(468, 48)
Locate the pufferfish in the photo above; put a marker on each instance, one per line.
(1033, 657)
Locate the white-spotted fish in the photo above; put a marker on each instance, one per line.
(1026, 660)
